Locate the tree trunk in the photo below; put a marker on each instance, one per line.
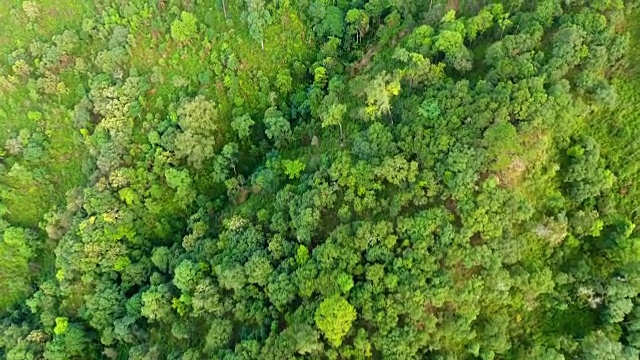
(224, 8)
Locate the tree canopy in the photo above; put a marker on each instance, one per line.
(379, 179)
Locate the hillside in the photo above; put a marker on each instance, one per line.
(261, 179)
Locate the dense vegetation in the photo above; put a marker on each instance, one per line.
(345, 179)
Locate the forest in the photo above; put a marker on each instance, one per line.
(319, 179)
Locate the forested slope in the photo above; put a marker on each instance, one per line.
(319, 179)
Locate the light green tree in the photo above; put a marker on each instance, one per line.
(184, 29)
(199, 122)
(293, 168)
(334, 317)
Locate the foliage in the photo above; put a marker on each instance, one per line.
(293, 168)
(319, 179)
(184, 29)
(198, 122)
(334, 318)
(16, 254)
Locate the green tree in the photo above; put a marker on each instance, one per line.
(180, 180)
(105, 306)
(199, 122)
(258, 269)
(218, 335)
(586, 175)
(333, 116)
(15, 255)
(62, 324)
(73, 343)
(597, 345)
(242, 126)
(293, 168)
(184, 29)
(258, 18)
(334, 318)
(358, 21)
(278, 128)
(156, 303)
(186, 276)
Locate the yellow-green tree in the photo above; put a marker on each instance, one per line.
(334, 317)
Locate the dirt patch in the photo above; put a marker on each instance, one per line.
(242, 196)
(512, 175)
(366, 59)
(368, 56)
(451, 205)
(476, 239)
